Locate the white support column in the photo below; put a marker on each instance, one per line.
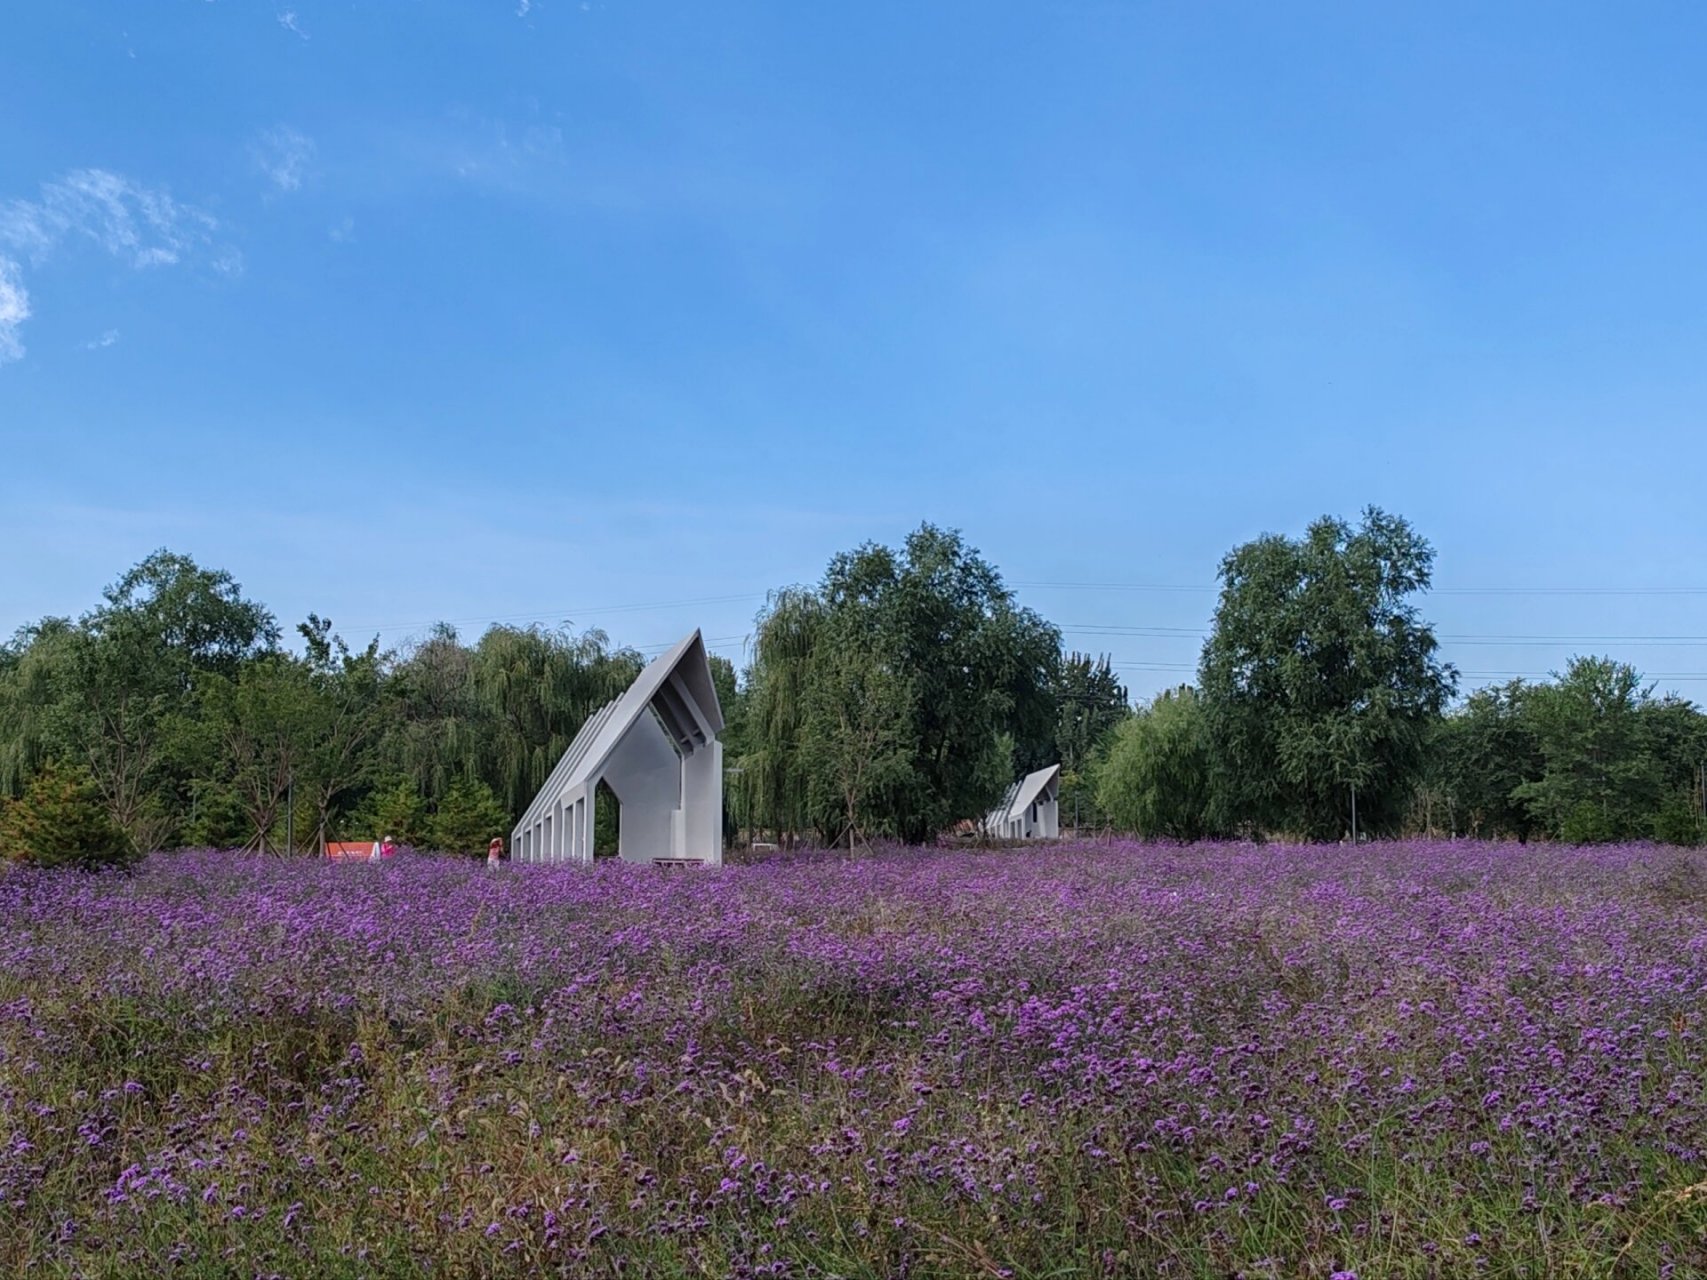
(702, 804)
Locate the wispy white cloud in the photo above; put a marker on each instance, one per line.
(140, 225)
(105, 340)
(124, 218)
(343, 231)
(283, 155)
(497, 153)
(287, 20)
(227, 260)
(14, 310)
(523, 7)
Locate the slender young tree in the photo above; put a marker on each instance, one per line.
(344, 720)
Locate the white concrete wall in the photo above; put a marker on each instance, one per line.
(702, 799)
(1049, 816)
(646, 775)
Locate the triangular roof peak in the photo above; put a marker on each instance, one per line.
(1032, 786)
(676, 686)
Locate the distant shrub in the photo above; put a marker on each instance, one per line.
(393, 808)
(1588, 823)
(61, 821)
(467, 818)
(216, 819)
(1678, 823)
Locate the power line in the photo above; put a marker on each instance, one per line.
(1160, 667)
(1160, 632)
(571, 612)
(1438, 591)
(1198, 633)
(547, 615)
(749, 596)
(710, 642)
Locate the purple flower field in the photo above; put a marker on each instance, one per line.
(1405, 1059)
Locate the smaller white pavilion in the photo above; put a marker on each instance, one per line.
(656, 748)
(1031, 810)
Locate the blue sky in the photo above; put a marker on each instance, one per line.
(545, 310)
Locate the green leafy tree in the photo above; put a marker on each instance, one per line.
(859, 716)
(199, 617)
(467, 818)
(1675, 731)
(118, 691)
(1679, 820)
(502, 711)
(1090, 702)
(936, 631)
(215, 818)
(1320, 676)
(773, 780)
(435, 718)
(394, 808)
(1600, 779)
(977, 665)
(727, 684)
(532, 690)
(266, 721)
(34, 668)
(1156, 778)
(61, 820)
(733, 701)
(1485, 752)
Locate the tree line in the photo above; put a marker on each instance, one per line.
(1321, 701)
(897, 697)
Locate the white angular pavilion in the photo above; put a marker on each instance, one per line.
(656, 747)
(1031, 810)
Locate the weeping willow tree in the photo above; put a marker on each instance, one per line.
(435, 730)
(771, 775)
(31, 673)
(536, 688)
(502, 712)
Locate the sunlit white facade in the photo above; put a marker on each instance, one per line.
(656, 748)
(1031, 810)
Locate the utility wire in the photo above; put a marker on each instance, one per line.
(575, 612)
(1190, 633)
(1437, 591)
(548, 615)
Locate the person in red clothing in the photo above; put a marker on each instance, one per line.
(384, 849)
(495, 851)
